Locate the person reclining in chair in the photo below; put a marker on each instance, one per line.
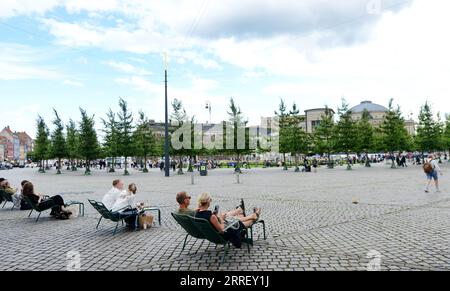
(218, 220)
(184, 200)
(116, 191)
(56, 203)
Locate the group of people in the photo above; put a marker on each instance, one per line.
(123, 201)
(55, 203)
(219, 220)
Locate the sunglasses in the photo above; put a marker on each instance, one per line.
(188, 197)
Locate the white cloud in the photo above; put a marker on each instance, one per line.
(73, 83)
(127, 68)
(20, 62)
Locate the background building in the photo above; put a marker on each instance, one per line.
(15, 146)
(377, 113)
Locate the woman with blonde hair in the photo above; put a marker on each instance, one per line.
(218, 220)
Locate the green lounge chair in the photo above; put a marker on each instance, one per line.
(108, 214)
(7, 198)
(35, 207)
(202, 229)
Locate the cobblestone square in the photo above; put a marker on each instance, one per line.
(311, 220)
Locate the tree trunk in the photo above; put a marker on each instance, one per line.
(126, 173)
(145, 170)
(393, 161)
(87, 172)
(284, 162)
(367, 160)
(330, 163)
(59, 167)
(349, 165)
(180, 166)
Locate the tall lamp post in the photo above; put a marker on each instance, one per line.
(166, 136)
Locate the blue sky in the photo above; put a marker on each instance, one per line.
(68, 54)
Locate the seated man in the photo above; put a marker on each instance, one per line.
(184, 200)
(111, 197)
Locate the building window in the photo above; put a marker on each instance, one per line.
(315, 124)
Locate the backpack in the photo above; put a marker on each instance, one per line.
(428, 168)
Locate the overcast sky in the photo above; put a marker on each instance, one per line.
(71, 53)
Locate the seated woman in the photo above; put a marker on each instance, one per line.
(56, 203)
(23, 203)
(125, 204)
(218, 220)
(15, 196)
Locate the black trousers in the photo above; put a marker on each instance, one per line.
(131, 220)
(55, 203)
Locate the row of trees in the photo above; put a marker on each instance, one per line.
(348, 136)
(123, 137)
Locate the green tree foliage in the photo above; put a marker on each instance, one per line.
(59, 149)
(324, 135)
(73, 143)
(446, 135)
(178, 118)
(144, 139)
(427, 131)
(89, 146)
(111, 138)
(297, 138)
(345, 133)
(125, 133)
(394, 134)
(365, 141)
(42, 143)
(237, 124)
(284, 131)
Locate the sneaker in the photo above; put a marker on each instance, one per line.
(438, 191)
(426, 190)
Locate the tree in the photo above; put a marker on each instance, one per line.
(125, 133)
(177, 119)
(345, 132)
(365, 140)
(446, 135)
(240, 134)
(394, 134)
(427, 135)
(144, 139)
(111, 138)
(296, 137)
(73, 143)
(59, 149)
(323, 135)
(89, 147)
(42, 143)
(284, 132)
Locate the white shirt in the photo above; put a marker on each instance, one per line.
(111, 197)
(435, 165)
(124, 200)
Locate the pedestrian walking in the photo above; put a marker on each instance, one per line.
(432, 170)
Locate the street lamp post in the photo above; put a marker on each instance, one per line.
(166, 136)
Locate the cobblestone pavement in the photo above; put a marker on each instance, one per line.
(312, 223)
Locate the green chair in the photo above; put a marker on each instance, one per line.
(7, 198)
(202, 229)
(34, 206)
(108, 214)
